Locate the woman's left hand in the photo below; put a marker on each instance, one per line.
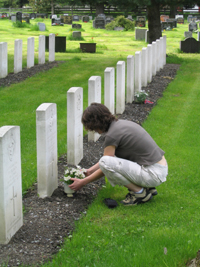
(77, 184)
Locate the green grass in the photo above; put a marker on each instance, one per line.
(161, 233)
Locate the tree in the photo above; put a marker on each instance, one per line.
(40, 6)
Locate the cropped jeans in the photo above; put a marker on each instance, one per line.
(123, 172)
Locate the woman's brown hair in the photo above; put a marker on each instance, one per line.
(97, 117)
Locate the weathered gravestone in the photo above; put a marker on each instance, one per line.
(11, 216)
(25, 18)
(147, 36)
(47, 171)
(164, 17)
(99, 22)
(192, 26)
(180, 19)
(187, 34)
(85, 19)
(189, 18)
(190, 45)
(18, 56)
(32, 16)
(76, 26)
(19, 16)
(42, 26)
(167, 25)
(66, 19)
(76, 34)
(140, 21)
(173, 21)
(75, 18)
(13, 18)
(140, 34)
(120, 87)
(57, 22)
(3, 59)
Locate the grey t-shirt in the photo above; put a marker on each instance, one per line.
(133, 143)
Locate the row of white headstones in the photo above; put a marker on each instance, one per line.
(140, 69)
(30, 53)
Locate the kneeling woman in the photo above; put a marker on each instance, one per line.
(131, 157)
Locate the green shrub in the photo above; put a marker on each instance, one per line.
(34, 27)
(19, 24)
(121, 21)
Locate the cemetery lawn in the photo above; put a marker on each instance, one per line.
(164, 231)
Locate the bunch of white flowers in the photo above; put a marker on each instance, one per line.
(77, 172)
(140, 96)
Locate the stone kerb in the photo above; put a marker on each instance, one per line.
(11, 216)
(120, 88)
(149, 63)
(74, 125)
(140, 34)
(3, 59)
(18, 56)
(144, 67)
(46, 128)
(138, 69)
(109, 89)
(41, 51)
(130, 79)
(30, 52)
(51, 47)
(94, 95)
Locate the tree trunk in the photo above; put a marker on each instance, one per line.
(172, 12)
(52, 8)
(154, 24)
(99, 9)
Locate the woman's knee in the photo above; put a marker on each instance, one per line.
(103, 162)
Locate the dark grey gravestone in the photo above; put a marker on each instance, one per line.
(190, 45)
(99, 23)
(60, 43)
(85, 19)
(76, 26)
(19, 16)
(57, 22)
(167, 25)
(173, 21)
(75, 18)
(140, 21)
(192, 26)
(32, 16)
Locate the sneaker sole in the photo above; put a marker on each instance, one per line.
(149, 197)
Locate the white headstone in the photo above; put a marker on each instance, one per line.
(41, 50)
(130, 79)
(94, 95)
(46, 128)
(164, 48)
(51, 47)
(154, 58)
(30, 52)
(138, 69)
(11, 218)
(144, 67)
(3, 60)
(161, 52)
(74, 125)
(158, 55)
(54, 16)
(149, 63)
(18, 56)
(109, 89)
(120, 88)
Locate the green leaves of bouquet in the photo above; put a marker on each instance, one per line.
(73, 173)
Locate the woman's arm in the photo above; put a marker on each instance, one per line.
(96, 172)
